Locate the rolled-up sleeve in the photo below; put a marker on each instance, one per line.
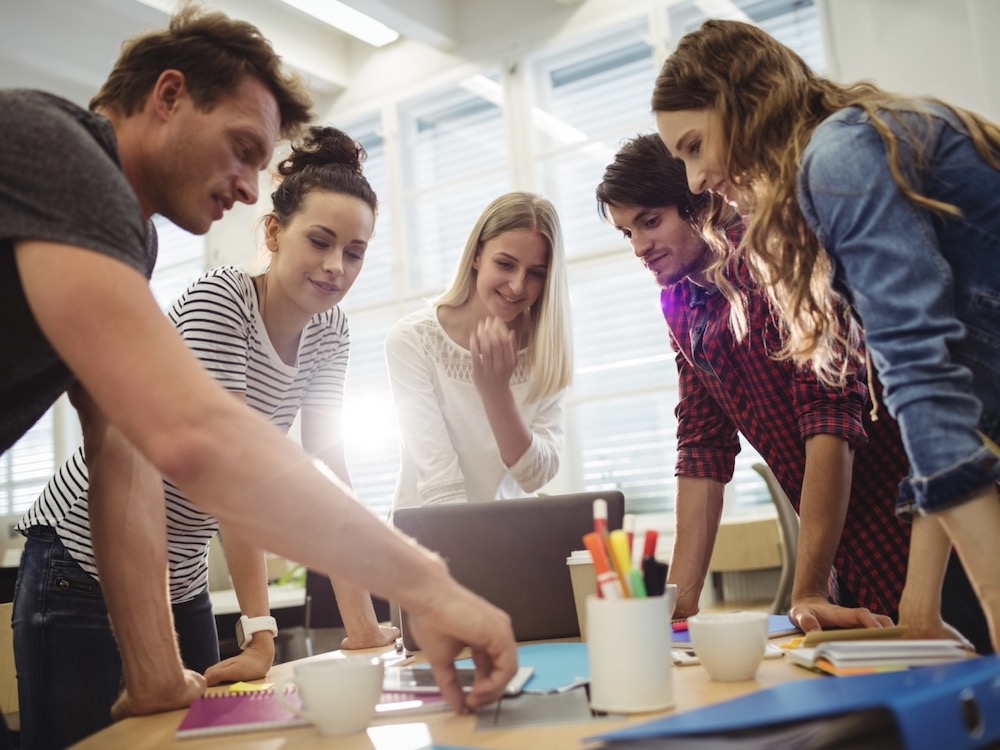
(707, 440)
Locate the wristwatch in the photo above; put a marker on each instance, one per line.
(247, 626)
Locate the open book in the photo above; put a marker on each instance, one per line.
(866, 657)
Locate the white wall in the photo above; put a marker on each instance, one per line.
(943, 48)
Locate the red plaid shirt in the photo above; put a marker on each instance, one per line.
(727, 387)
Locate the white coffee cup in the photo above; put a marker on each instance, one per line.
(584, 582)
(628, 649)
(338, 695)
(730, 645)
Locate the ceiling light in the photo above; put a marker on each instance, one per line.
(348, 20)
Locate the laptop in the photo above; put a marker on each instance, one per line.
(513, 554)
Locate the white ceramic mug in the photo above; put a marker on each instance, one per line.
(338, 695)
(628, 648)
(730, 645)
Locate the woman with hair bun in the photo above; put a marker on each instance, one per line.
(279, 342)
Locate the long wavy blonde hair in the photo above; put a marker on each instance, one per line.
(549, 328)
(769, 103)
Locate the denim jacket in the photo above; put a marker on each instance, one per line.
(925, 287)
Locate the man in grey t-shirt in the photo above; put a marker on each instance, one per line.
(184, 123)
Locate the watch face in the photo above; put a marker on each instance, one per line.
(240, 637)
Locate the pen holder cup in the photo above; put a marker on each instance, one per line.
(629, 651)
(584, 582)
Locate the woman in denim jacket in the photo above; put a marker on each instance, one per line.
(894, 205)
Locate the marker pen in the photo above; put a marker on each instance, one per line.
(601, 516)
(618, 542)
(654, 573)
(628, 526)
(607, 582)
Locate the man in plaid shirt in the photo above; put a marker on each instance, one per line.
(840, 468)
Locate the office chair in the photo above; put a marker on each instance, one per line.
(788, 524)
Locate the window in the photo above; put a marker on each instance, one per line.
(27, 466)
(589, 96)
(375, 284)
(568, 106)
(179, 263)
(794, 23)
(455, 160)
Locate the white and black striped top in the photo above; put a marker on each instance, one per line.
(219, 319)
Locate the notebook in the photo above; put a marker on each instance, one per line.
(868, 657)
(231, 713)
(513, 554)
(228, 713)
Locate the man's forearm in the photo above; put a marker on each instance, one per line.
(697, 512)
(826, 494)
(128, 529)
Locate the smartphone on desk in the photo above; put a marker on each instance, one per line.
(685, 657)
(421, 680)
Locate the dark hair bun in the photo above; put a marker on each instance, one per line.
(323, 147)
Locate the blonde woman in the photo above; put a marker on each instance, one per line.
(894, 205)
(478, 376)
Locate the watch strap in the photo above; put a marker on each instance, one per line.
(251, 625)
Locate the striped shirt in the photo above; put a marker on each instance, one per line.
(727, 387)
(220, 321)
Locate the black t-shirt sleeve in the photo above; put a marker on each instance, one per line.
(60, 181)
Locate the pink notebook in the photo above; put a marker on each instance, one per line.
(228, 713)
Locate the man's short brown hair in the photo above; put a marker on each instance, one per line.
(215, 53)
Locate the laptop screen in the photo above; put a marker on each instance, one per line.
(513, 554)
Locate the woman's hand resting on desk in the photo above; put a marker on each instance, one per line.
(816, 612)
(251, 664)
(383, 635)
(923, 624)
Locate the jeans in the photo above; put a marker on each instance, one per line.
(925, 286)
(69, 671)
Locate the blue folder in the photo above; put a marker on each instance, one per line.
(952, 706)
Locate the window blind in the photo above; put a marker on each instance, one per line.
(455, 160)
(375, 284)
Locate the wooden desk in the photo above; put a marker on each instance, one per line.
(692, 689)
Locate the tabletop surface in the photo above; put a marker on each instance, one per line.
(692, 689)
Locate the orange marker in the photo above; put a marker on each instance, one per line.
(607, 581)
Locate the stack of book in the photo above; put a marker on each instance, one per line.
(867, 657)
